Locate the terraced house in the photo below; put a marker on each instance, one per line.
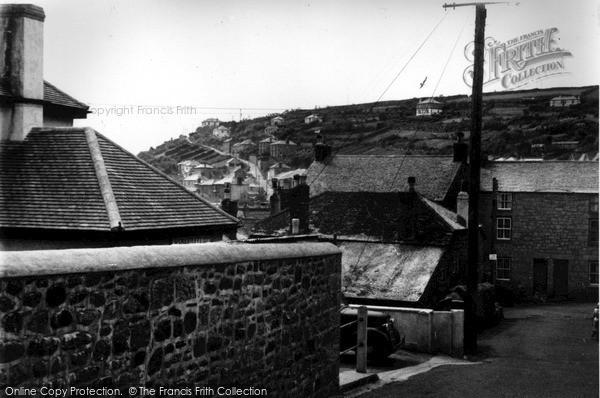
(541, 219)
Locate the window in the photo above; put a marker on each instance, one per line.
(593, 232)
(503, 268)
(594, 273)
(594, 204)
(185, 240)
(504, 201)
(504, 228)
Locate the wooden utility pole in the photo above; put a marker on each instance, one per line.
(472, 274)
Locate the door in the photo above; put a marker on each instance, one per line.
(560, 277)
(540, 276)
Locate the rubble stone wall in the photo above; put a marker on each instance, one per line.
(263, 316)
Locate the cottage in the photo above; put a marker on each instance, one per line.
(186, 167)
(440, 177)
(428, 107)
(221, 132)
(312, 119)
(271, 130)
(399, 249)
(277, 120)
(227, 146)
(542, 220)
(245, 146)
(285, 180)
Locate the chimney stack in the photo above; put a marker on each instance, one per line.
(299, 202)
(275, 200)
(322, 151)
(21, 66)
(411, 184)
(462, 208)
(461, 149)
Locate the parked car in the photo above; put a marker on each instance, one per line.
(382, 336)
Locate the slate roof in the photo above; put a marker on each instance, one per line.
(49, 181)
(290, 174)
(387, 271)
(547, 176)
(376, 173)
(52, 95)
(369, 216)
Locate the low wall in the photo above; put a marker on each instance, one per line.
(262, 316)
(428, 330)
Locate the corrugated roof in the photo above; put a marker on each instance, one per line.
(547, 176)
(376, 173)
(387, 271)
(48, 181)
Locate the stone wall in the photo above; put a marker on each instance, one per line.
(551, 226)
(183, 316)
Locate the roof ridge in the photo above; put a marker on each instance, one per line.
(108, 196)
(395, 156)
(178, 185)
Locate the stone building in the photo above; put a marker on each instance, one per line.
(283, 149)
(542, 227)
(567, 100)
(399, 249)
(264, 146)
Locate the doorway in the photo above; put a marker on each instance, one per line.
(540, 276)
(560, 277)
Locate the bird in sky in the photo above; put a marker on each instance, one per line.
(422, 84)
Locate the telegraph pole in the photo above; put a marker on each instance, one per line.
(472, 275)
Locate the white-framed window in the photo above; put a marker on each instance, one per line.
(503, 266)
(504, 228)
(504, 201)
(593, 273)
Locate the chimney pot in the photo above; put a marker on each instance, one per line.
(295, 226)
(462, 208)
(411, 183)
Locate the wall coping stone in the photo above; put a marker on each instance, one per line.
(51, 262)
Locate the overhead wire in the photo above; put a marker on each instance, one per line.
(379, 98)
(418, 127)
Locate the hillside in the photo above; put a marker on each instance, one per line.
(516, 123)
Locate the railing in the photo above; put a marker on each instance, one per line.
(361, 339)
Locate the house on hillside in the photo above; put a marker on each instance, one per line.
(221, 132)
(63, 187)
(186, 167)
(26, 100)
(264, 146)
(542, 220)
(313, 118)
(568, 100)
(428, 107)
(277, 120)
(281, 150)
(244, 146)
(399, 249)
(211, 122)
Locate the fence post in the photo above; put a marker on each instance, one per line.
(361, 340)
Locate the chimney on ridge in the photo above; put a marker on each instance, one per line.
(322, 151)
(21, 67)
(462, 208)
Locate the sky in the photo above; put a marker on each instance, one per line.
(154, 69)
